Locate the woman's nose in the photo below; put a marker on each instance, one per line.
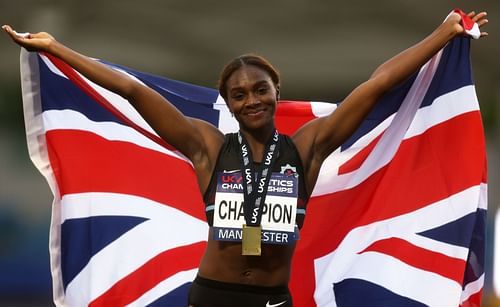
(253, 99)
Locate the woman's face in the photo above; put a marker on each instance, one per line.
(251, 97)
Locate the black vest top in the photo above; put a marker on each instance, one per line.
(287, 162)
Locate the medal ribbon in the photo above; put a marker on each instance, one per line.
(255, 189)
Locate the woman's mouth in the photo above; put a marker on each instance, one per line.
(255, 112)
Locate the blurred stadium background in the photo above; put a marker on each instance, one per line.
(322, 49)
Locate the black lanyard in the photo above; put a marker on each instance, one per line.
(255, 189)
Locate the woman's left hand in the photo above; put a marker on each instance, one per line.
(455, 19)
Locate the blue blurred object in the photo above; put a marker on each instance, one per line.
(24, 260)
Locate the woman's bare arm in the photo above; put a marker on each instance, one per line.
(196, 140)
(319, 138)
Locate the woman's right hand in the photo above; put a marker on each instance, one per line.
(32, 42)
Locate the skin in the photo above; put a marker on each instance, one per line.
(252, 98)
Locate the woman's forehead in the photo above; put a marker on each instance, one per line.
(248, 75)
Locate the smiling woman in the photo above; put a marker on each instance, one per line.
(256, 218)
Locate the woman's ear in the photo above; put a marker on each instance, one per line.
(277, 92)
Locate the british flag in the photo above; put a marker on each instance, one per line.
(397, 217)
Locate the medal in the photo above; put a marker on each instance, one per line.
(251, 240)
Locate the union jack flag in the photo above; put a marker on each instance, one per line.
(397, 217)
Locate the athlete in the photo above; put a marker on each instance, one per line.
(252, 235)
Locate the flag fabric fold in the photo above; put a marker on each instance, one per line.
(397, 217)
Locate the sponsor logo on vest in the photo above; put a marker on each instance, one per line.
(268, 304)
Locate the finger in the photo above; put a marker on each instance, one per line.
(22, 35)
(14, 35)
(10, 32)
(483, 34)
(471, 14)
(479, 16)
(482, 22)
(7, 29)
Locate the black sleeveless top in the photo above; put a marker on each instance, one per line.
(287, 162)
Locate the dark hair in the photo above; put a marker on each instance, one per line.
(246, 59)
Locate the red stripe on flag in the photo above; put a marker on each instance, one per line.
(85, 162)
(449, 267)
(150, 274)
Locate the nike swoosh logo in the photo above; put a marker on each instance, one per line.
(231, 171)
(274, 305)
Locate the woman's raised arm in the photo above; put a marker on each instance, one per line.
(197, 140)
(319, 138)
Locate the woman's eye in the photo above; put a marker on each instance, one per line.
(237, 96)
(262, 90)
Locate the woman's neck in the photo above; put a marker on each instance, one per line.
(257, 140)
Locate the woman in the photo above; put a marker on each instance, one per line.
(251, 266)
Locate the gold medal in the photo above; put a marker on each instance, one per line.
(251, 240)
